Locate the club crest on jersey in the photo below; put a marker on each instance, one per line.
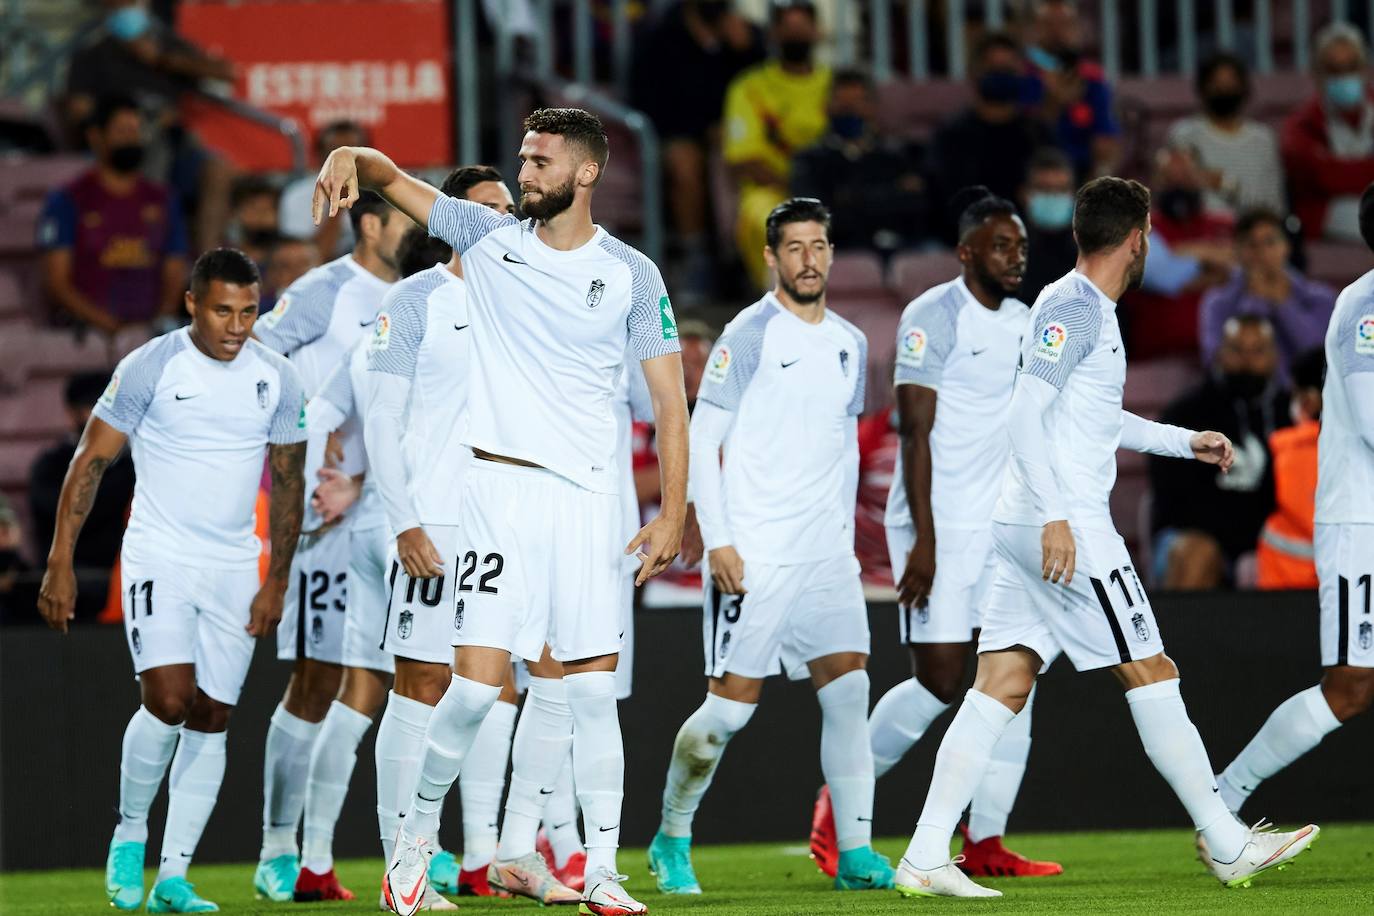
(923, 614)
(274, 317)
(594, 293)
(108, 398)
(316, 630)
(844, 362)
(1051, 344)
(911, 352)
(138, 640)
(719, 367)
(262, 393)
(381, 333)
(725, 644)
(1142, 629)
(1366, 636)
(1364, 336)
(404, 623)
(458, 615)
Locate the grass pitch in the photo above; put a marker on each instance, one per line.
(1118, 872)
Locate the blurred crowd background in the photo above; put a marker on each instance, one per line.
(135, 134)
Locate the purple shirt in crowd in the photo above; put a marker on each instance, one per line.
(1299, 321)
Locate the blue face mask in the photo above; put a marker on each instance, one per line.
(1050, 211)
(1345, 92)
(128, 22)
(1042, 59)
(847, 127)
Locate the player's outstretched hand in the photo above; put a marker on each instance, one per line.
(335, 494)
(1213, 448)
(656, 545)
(692, 546)
(418, 554)
(57, 597)
(1057, 552)
(727, 570)
(914, 587)
(265, 612)
(337, 185)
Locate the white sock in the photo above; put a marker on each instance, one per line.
(148, 746)
(996, 794)
(598, 763)
(959, 767)
(331, 768)
(1294, 728)
(696, 752)
(560, 815)
(452, 728)
(898, 722)
(192, 789)
(1175, 748)
(481, 785)
(400, 745)
(542, 740)
(285, 768)
(847, 757)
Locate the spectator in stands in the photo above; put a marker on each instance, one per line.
(1239, 156)
(288, 260)
(18, 588)
(333, 237)
(872, 183)
(253, 217)
(713, 43)
(990, 143)
(1047, 203)
(114, 248)
(1328, 144)
(1203, 520)
(1191, 250)
(98, 547)
(773, 110)
(1070, 93)
(1284, 557)
(1267, 285)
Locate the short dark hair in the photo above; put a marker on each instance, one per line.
(250, 186)
(1367, 216)
(1254, 217)
(84, 388)
(976, 204)
(991, 41)
(852, 76)
(574, 125)
(466, 177)
(1049, 159)
(420, 251)
(368, 202)
(1106, 210)
(1220, 60)
(1309, 368)
(228, 265)
(776, 9)
(795, 210)
(111, 104)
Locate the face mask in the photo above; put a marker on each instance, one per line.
(259, 238)
(128, 22)
(1180, 204)
(1050, 211)
(1345, 92)
(9, 559)
(1245, 385)
(795, 52)
(126, 158)
(1223, 104)
(712, 11)
(999, 86)
(847, 127)
(1042, 58)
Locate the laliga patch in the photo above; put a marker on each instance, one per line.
(911, 351)
(274, 317)
(108, 398)
(381, 333)
(665, 314)
(1364, 336)
(719, 366)
(1051, 344)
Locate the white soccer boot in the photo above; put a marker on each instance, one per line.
(605, 897)
(407, 874)
(1266, 848)
(945, 881)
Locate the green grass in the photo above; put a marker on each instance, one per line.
(1147, 872)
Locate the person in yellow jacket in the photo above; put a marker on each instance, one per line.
(772, 111)
(1285, 555)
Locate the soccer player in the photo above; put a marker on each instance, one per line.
(782, 394)
(957, 347)
(1344, 547)
(316, 320)
(1064, 578)
(554, 302)
(200, 407)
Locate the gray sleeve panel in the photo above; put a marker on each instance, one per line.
(1065, 331)
(337, 388)
(288, 421)
(463, 223)
(651, 326)
(401, 324)
(733, 361)
(925, 338)
(135, 380)
(1355, 331)
(304, 311)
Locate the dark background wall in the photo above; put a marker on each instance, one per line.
(66, 702)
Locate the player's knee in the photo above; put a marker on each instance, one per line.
(1195, 562)
(312, 688)
(207, 715)
(945, 683)
(422, 683)
(169, 705)
(1349, 692)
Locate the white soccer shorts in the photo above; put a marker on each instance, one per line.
(312, 622)
(1103, 618)
(419, 619)
(365, 620)
(965, 565)
(788, 616)
(1345, 565)
(176, 614)
(540, 559)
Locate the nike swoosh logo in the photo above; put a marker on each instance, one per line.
(606, 829)
(276, 826)
(546, 791)
(510, 260)
(977, 352)
(555, 826)
(867, 820)
(409, 899)
(186, 397)
(1114, 349)
(367, 324)
(793, 363)
(459, 327)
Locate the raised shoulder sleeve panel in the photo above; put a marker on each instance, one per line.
(651, 327)
(734, 360)
(134, 381)
(463, 223)
(394, 346)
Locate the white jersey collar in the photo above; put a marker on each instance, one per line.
(1105, 299)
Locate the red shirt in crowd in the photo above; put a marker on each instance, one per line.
(1164, 325)
(1315, 173)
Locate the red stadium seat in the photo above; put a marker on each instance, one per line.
(34, 411)
(856, 272)
(1151, 385)
(1338, 263)
(913, 110)
(16, 457)
(912, 273)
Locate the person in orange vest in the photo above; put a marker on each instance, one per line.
(1284, 555)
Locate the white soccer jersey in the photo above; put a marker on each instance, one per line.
(1075, 345)
(791, 456)
(1345, 458)
(199, 429)
(549, 334)
(339, 405)
(422, 336)
(948, 341)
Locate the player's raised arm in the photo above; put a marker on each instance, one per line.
(659, 540)
(350, 169)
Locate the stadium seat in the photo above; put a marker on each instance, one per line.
(1151, 385)
(16, 457)
(914, 272)
(30, 178)
(11, 294)
(856, 272)
(1337, 263)
(913, 110)
(35, 411)
(60, 352)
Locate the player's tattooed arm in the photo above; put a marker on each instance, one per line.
(916, 418)
(286, 463)
(100, 445)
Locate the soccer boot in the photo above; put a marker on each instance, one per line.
(529, 876)
(311, 887)
(1265, 848)
(863, 869)
(474, 884)
(670, 862)
(443, 872)
(177, 895)
(275, 879)
(605, 897)
(823, 843)
(945, 881)
(988, 858)
(434, 901)
(571, 874)
(124, 875)
(407, 874)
